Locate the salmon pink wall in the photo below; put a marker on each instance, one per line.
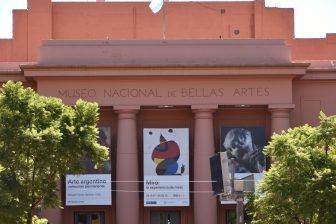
(133, 20)
(16, 49)
(310, 97)
(317, 49)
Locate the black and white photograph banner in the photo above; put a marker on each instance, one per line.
(244, 144)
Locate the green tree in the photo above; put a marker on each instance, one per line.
(300, 187)
(41, 139)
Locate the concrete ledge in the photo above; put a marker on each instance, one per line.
(144, 52)
(281, 106)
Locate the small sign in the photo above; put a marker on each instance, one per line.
(88, 189)
(220, 174)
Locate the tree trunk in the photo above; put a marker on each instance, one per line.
(30, 216)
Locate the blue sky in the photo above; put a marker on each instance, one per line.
(313, 18)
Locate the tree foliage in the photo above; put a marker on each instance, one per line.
(41, 139)
(300, 187)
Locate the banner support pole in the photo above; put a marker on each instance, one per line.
(164, 20)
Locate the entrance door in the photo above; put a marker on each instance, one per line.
(165, 217)
(89, 218)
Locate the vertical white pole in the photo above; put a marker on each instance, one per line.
(164, 20)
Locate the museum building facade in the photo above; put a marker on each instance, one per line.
(224, 70)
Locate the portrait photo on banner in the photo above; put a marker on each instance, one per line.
(245, 145)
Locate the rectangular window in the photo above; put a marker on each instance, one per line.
(89, 218)
(165, 217)
(230, 216)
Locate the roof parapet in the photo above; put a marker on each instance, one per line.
(178, 52)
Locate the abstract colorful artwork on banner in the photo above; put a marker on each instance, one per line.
(244, 145)
(166, 167)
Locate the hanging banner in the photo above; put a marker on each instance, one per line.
(104, 138)
(88, 189)
(245, 146)
(93, 187)
(166, 167)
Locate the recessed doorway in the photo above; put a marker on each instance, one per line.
(165, 217)
(89, 218)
